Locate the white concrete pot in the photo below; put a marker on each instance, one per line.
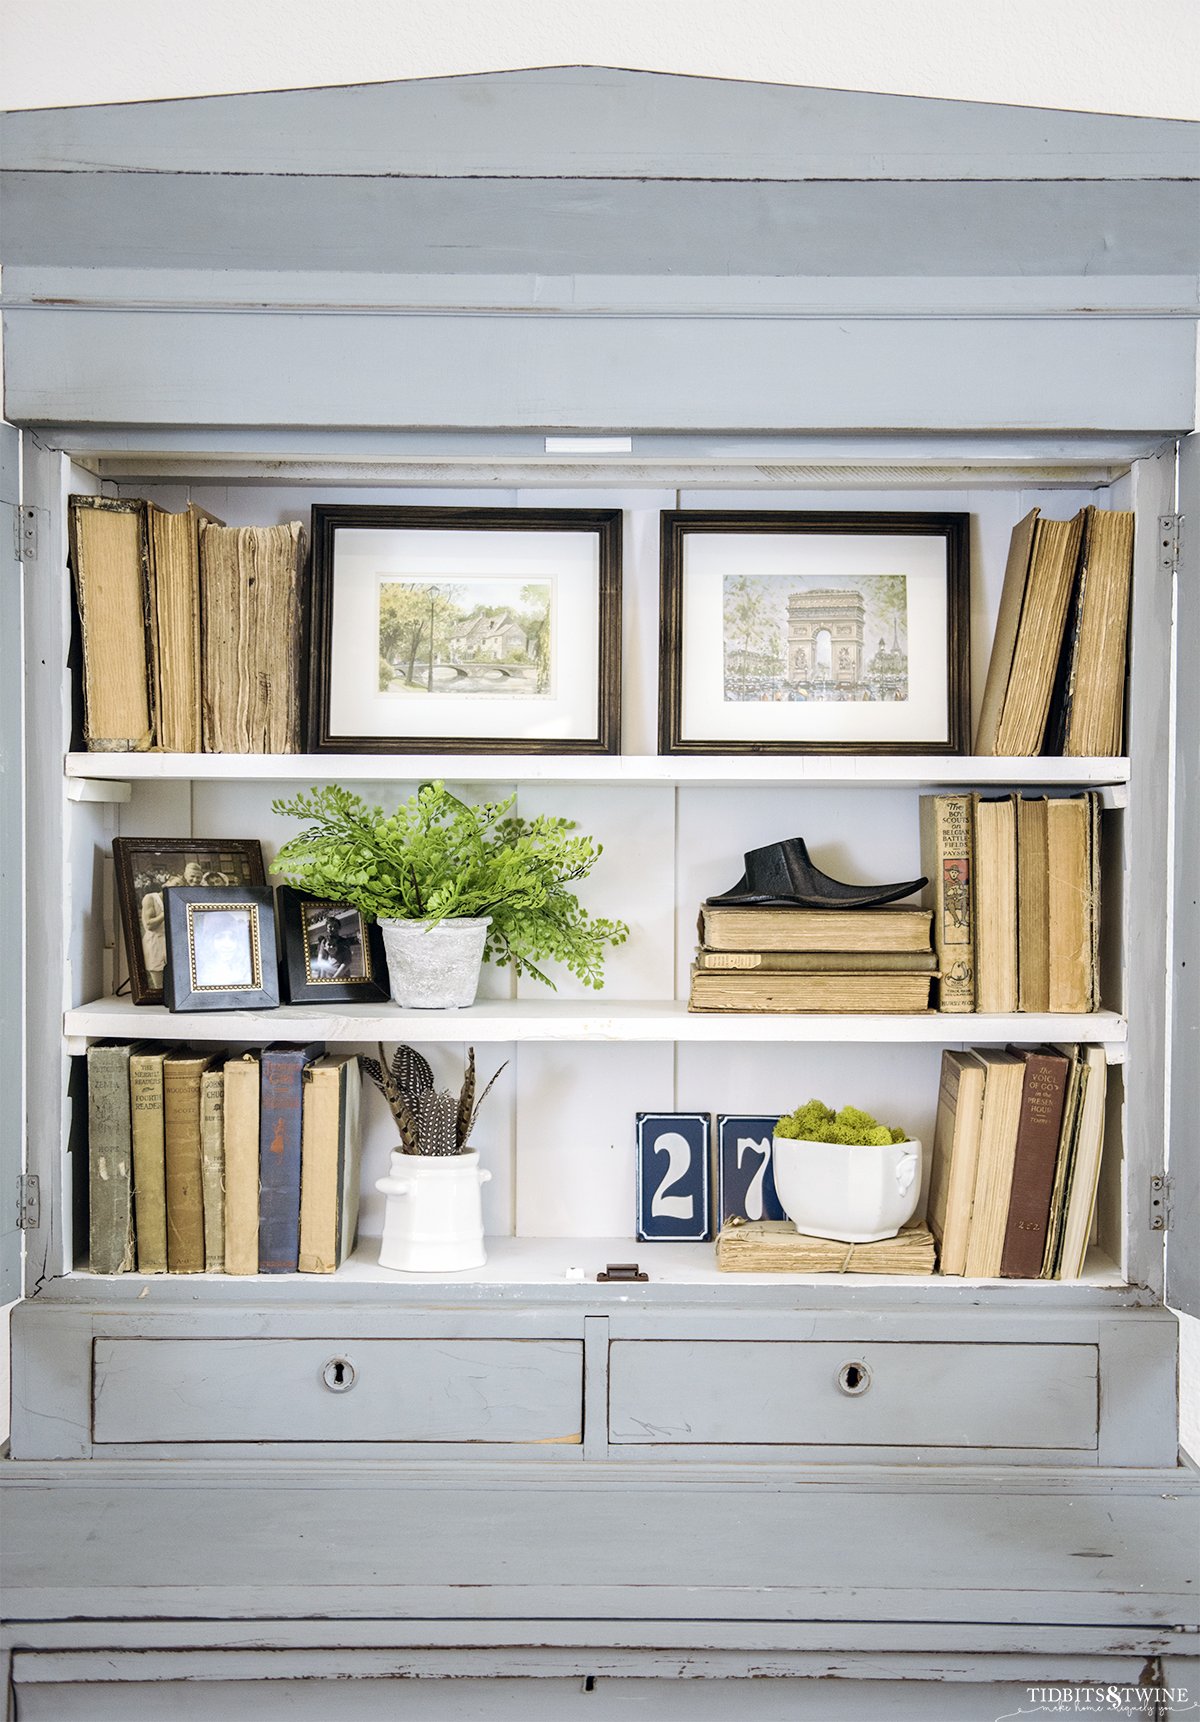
(434, 965)
(854, 1194)
(433, 1222)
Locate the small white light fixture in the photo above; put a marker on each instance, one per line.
(589, 445)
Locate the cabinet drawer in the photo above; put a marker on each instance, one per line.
(499, 1390)
(773, 1393)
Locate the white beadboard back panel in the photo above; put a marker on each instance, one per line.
(575, 1134)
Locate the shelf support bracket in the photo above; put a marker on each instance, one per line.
(98, 789)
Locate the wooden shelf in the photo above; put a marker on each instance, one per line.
(554, 1019)
(864, 771)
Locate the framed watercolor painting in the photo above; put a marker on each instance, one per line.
(814, 633)
(465, 630)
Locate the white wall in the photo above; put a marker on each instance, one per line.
(1108, 55)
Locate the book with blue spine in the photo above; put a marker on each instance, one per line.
(280, 1137)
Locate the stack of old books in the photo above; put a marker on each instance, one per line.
(1016, 1160)
(790, 959)
(191, 630)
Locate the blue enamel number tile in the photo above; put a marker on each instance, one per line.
(745, 1173)
(673, 1182)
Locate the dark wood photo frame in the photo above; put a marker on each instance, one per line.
(600, 633)
(145, 867)
(302, 981)
(778, 662)
(204, 948)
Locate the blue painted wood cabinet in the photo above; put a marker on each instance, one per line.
(772, 297)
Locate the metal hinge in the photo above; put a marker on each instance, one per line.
(1160, 1202)
(1168, 542)
(25, 534)
(29, 1203)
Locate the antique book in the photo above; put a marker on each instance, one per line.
(212, 1167)
(252, 628)
(242, 1076)
(279, 1136)
(1073, 902)
(110, 1160)
(1033, 905)
(819, 962)
(995, 903)
(149, 1163)
(174, 571)
(1043, 1094)
(954, 1157)
(107, 539)
(775, 1246)
(994, 1163)
(1044, 585)
(329, 1162)
(1089, 691)
(1068, 1142)
(182, 1071)
(770, 991)
(947, 842)
(1004, 640)
(891, 928)
(1084, 1176)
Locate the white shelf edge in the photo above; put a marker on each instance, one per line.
(535, 1263)
(557, 1019)
(861, 770)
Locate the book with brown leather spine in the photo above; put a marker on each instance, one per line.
(1043, 1092)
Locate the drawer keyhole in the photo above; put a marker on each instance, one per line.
(339, 1375)
(854, 1378)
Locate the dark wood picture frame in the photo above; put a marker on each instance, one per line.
(299, 984)
(676, 525)
(184, 851)
(185, 987)
(328, 519)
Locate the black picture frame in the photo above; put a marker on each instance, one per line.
(221, 951)
(145, 867)
(952, 528)
(328, 636)
(301, 961)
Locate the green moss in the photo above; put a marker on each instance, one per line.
(816, 1122)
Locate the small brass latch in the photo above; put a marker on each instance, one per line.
(623, 1273)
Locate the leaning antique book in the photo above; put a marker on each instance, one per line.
(955, 1156)
(1002, 1092)
(1089, 691)
(1014, 723)
(254, 650)
(107, 537)
(110, 1161)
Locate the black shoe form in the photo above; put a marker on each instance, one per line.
(782, 876)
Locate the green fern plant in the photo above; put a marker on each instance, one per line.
(439, 858)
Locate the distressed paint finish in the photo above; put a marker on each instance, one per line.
(919, 1396)
(542, 1541)
(590, 121)
(193, 1390)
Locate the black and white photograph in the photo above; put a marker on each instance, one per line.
(148, 866)
(220, 948)
(330, 952)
